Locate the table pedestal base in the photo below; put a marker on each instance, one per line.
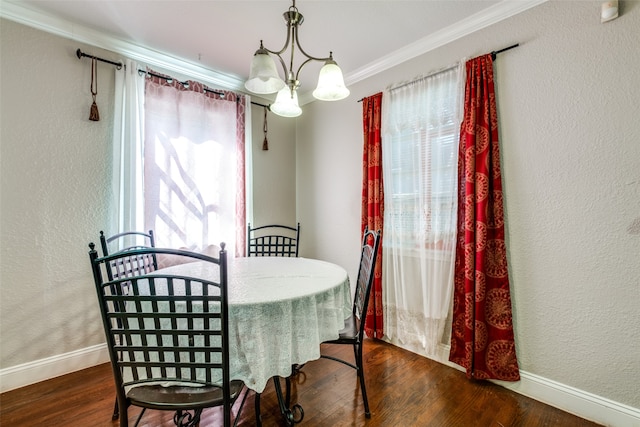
(292, 415)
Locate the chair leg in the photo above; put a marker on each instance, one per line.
(258, 416)
(358, 351)
(116, 411)
(244, 398)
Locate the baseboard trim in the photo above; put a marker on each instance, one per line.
(51, 367)
(569, 399)
(578, 402)
(575, 401)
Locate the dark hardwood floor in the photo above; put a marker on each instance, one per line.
(404, 390)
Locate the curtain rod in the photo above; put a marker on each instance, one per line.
(435, 73)
(80, 54)
(496, 52)
(493, 56)
(170, 79)
(268, 107)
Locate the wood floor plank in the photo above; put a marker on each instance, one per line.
(404, 389)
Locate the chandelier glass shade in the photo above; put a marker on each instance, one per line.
(330, 83)
(264, 77)
(286, 104)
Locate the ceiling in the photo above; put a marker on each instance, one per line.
(217, 38)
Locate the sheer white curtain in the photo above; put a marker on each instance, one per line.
(420, 128)
(128, 126)
(194, 165)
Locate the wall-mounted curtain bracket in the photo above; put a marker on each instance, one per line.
(80, 54)
(185, 84)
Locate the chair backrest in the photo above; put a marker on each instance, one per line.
(368, 258)
(164, 328)
(132, 265)
(273, 240)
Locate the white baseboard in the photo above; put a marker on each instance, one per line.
(569, 399)
(51, 367)
(578, 402)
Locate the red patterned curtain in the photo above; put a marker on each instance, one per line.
(373, 203)
(482, 340)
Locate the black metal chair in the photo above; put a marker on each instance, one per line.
(127, 242)
(282, 241)
(167, 337)
(353, 332)
(273, 240)
(131, 265)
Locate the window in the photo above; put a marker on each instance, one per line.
(421, 154)
(420, 133)
(179, 161)
(193, 166)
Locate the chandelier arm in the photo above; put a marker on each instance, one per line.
(286, 42)
(297, 40)
(293, 38)
(282, 63)
(278, 52)
(302, 65)
(290, 30)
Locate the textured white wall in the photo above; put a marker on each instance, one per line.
(328, 200)
(54, 179)
(274, 172)
(571, 132)
(570, 138)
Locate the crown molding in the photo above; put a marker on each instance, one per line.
(24, 15)
(478, 21)
(39, 20)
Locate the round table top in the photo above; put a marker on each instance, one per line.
(259, 280)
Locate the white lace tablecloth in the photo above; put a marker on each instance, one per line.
(280, 310)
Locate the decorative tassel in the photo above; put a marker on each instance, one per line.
(265, 143)
(94, 114)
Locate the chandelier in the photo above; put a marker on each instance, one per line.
(264, 78)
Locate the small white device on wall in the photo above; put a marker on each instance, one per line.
(609, 11)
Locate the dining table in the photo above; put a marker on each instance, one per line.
(280, 310)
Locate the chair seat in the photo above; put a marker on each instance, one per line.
(349, 333)
(156, 396)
